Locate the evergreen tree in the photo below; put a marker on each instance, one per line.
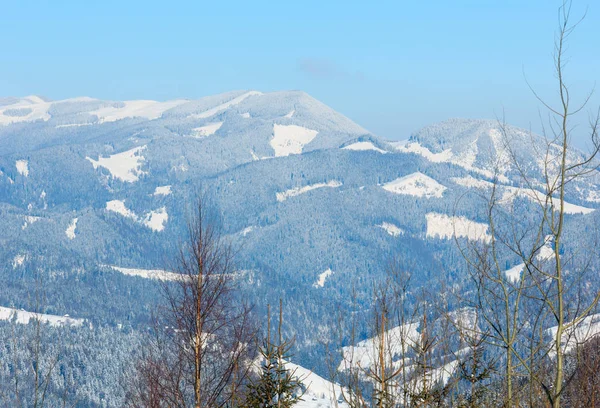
(277, 386)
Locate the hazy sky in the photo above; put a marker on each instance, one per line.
(390, 66)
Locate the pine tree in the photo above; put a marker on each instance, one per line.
(277, 386)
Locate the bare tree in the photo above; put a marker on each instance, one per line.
(202, 348)
(553, 298)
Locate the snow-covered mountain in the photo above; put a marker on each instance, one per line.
(94, 195)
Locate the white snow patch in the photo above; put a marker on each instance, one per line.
(446, 227)
(25, 317)
(466, 160)
(29, 219)
(472, 182)
(416, 184)
(322, 278)
(290, 113)
(157, 274)
(301, 190)
(247, 230)
(22, 167)
(36, 107)
(514, 274)
(71, 229)
(125, 166)
(119, 207)
(70, 125)
(245, 115)
(362, 146)
(213, 111)
(162, 190)
(206, 130)
(18, 260)
(290, 139)
(391, 229)
(320, 393)
(131, 109)
(578, 334)
(510, 193)
(156, 220)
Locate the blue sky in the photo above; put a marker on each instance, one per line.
(392, 66)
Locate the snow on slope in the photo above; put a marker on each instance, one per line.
(125, 166)
(320, 393)
(290, 113)
(446, 227)
(156, 220)
(18, 260)
(206, 130)
(509, 193)
(25, 317)
(465, 160)
(322, 278)
(29, 219)
(70, 231)
(28, 109)
(118, 206)
(538, 197)
(290, 139)
(514, 274)
(144, 109)
(577, 335)
(157, 274)
(162, 190)
(22, 167)
(391, 229)
(213, 111)
(416, 184)
(362, 146)
(282, 196)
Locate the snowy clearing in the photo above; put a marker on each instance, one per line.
(362, 146)
(157, 274)
(22, 167)
(131, 109)
(322, 278)
(156, 220)
(416, 184)
(509, 193)
(391, 229)
(514, 274)
(25, 317)
(290, 139)
(465, 160)
(162, 190)
(32, 107)
(246, 231)
(245, 115)
(320, 393)
(446, 227)
(29, 219)
(18, 260)
(125, 166)
(213, 111)
(301, 190)
(70, 231)
(290, 113)
(577, 335)
(206, 130)
(118, 206)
